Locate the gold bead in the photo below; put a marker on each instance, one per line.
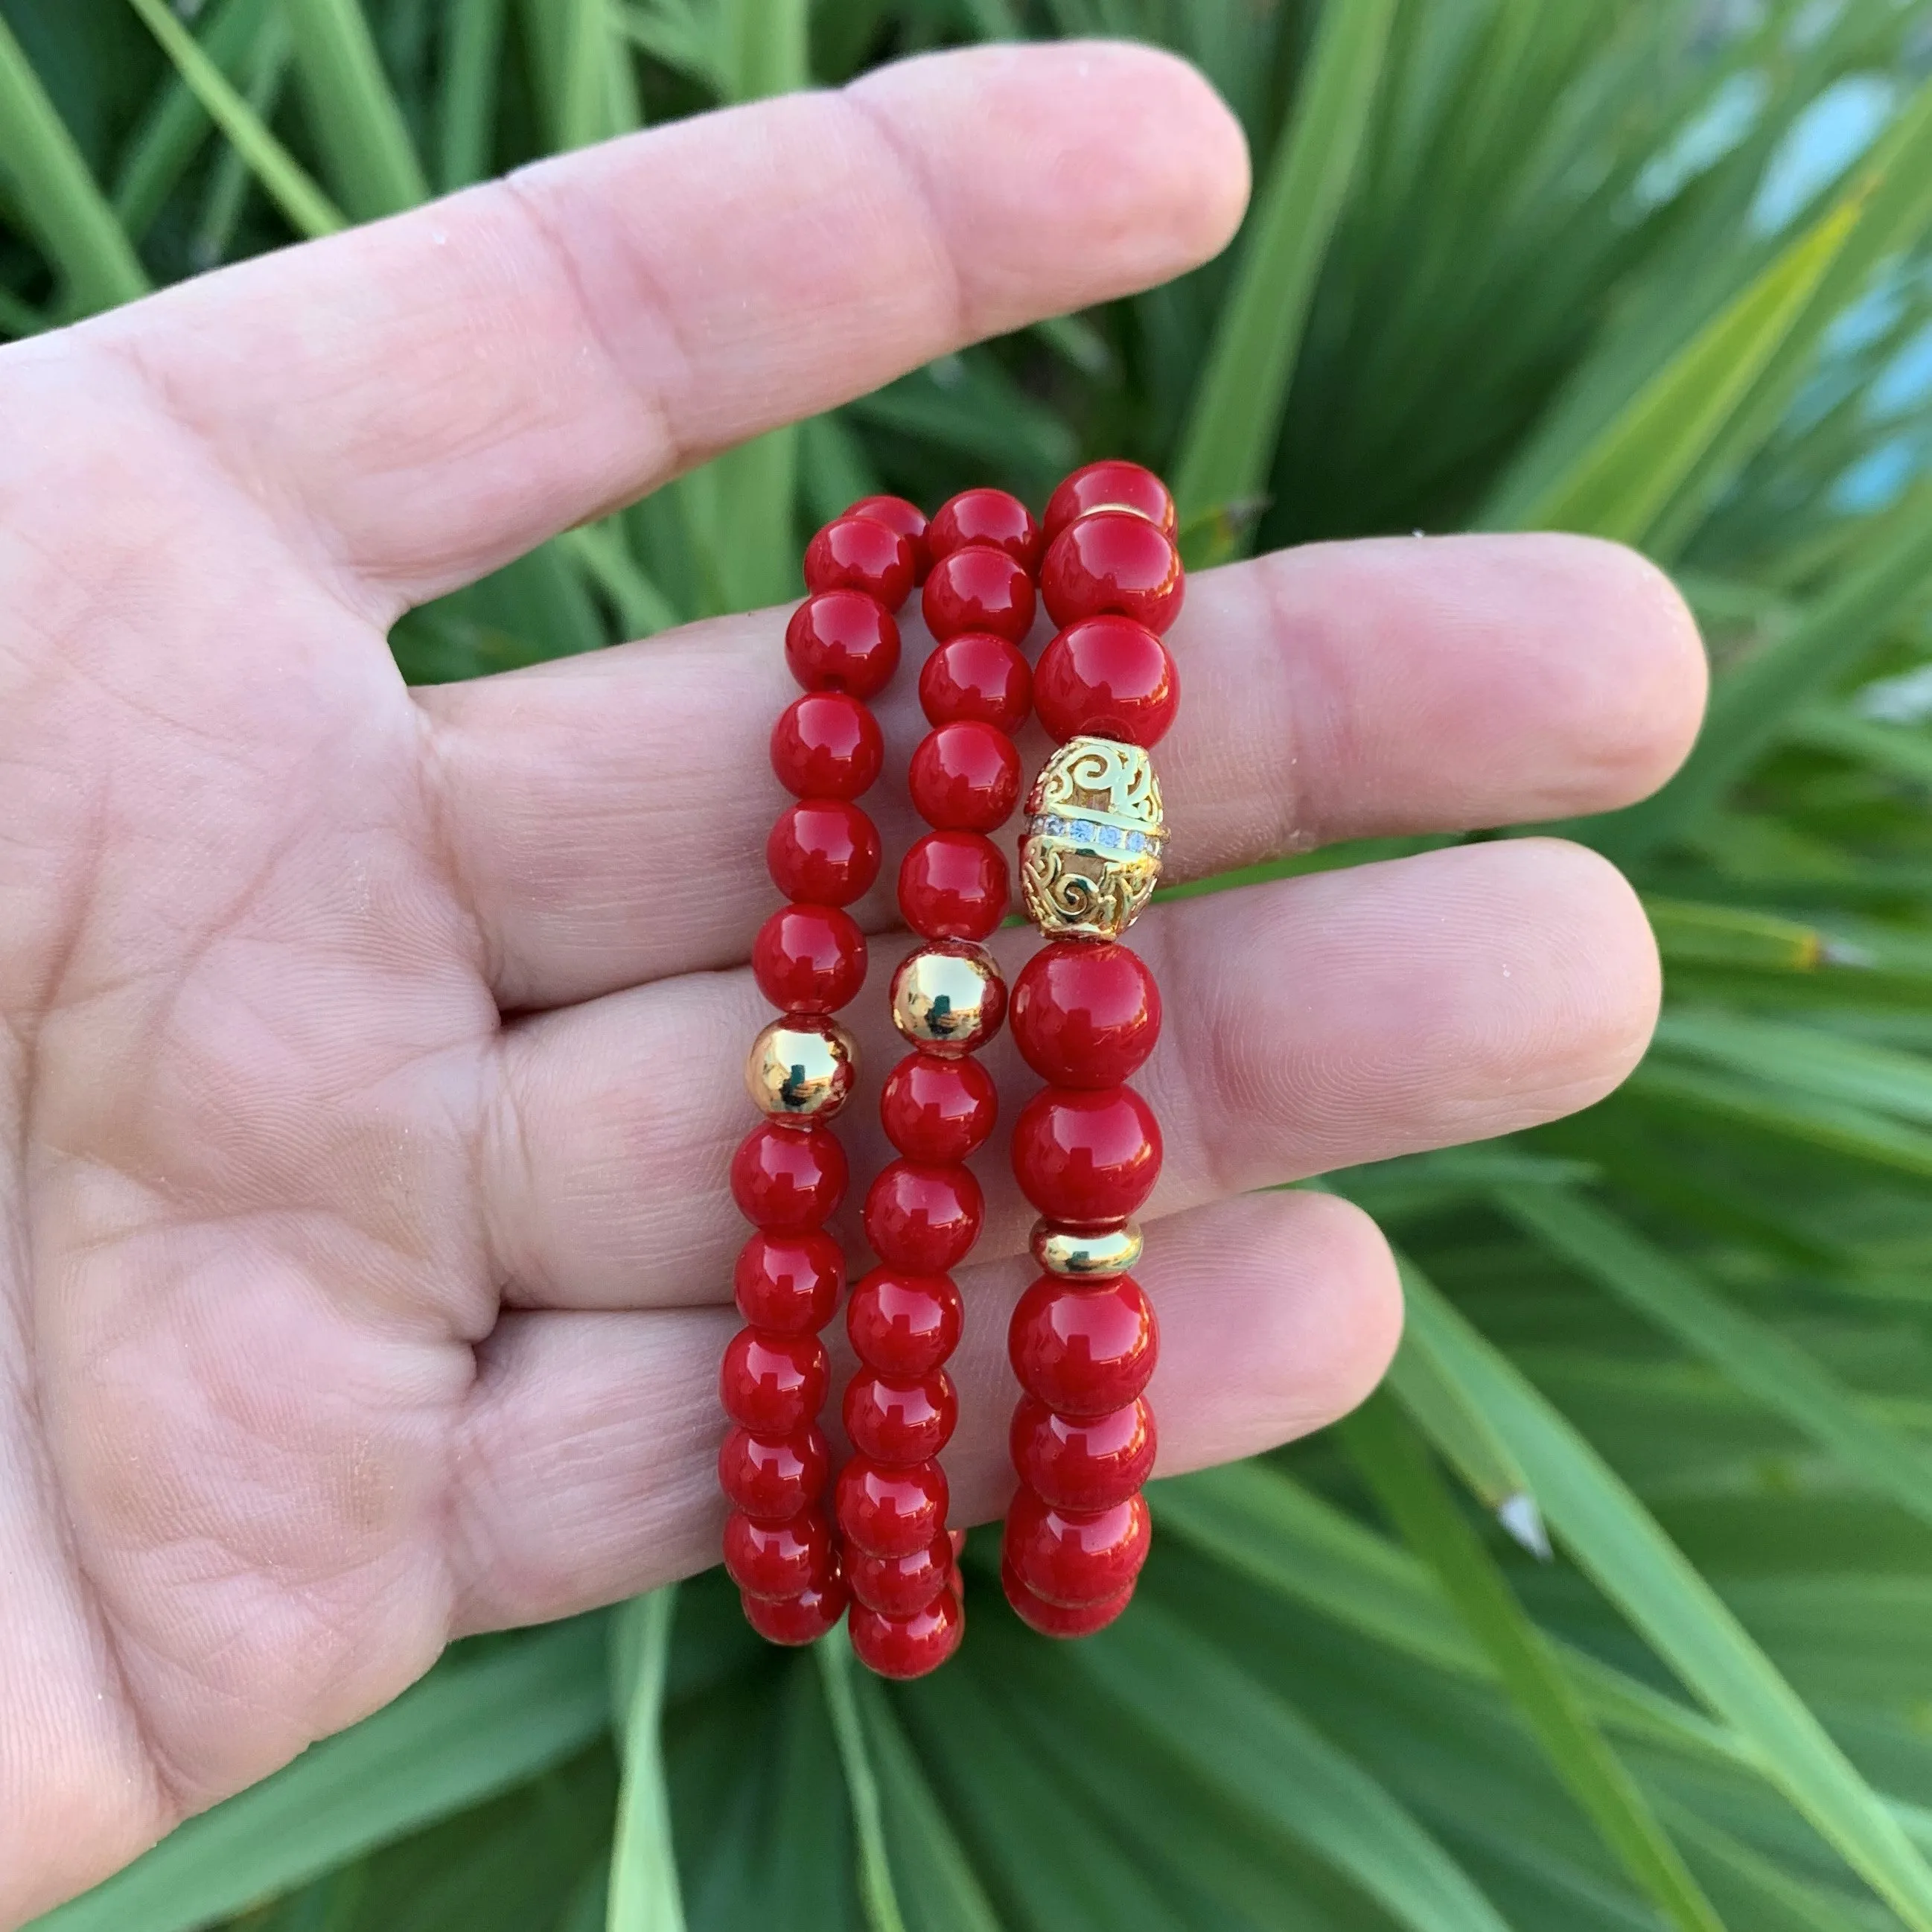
(1089, 1257)
(1090, 856)
(802, 1069)
(948, 997)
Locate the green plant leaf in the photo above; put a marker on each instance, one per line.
(878, 1891)
(358, 123)
(466, 101)
(642, 1893)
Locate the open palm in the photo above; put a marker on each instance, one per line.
(371, 1057)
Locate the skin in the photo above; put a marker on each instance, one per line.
(370, 1058)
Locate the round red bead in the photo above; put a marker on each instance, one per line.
(861, 553)
(1089, 1462)
(965, 777)
(978, 589)
(780, 1559)
(788, 1180)
(809, 958)
(1058, 1619)
(1111, 560)
(824, 851)
(906, 1647)
(772, 1385)
(789, 1283)
(1084, 1014)
(954, 885)
(1107, 677)
(986, 517)
(1084, 1159)
(938, 1110)
(800, 1619)
(1111, 484)
(978, 676)
(826, 744)
(898, 1421)
(923, 1218)
(897, 1586)
(904, 1324)
(1084, 1351)
(890, 1510)
(1073, 1558)
(843, 640)
(896, 514)
(772, 1479)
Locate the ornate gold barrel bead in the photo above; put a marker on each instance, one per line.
(1091, 854)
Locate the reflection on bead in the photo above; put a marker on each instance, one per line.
(788, 1180)
(823, 851)
(965, 777)
(938, 1109)
(800, 1069)
(1107, 677)
(809, 958)
(860, 553)
(896, 514)
(954, 885)
(949, 998)
(978, 589)
(976, 675)
(898, 1421)
(1085, 1014)
(1095, 1254)
(826, 744)
(1112, 561)
(1111, 484)
(842, 641)
(986, 517)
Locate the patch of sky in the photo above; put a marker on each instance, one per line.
(1831, 134)
(1879, 478)
(1704, 139)
(1905, 381)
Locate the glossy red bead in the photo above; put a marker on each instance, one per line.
(862, 553)
(900, 1419)
(1077, 1462)
(908, 1647)
(954, 885)
(801, 1619)
(809, 958)
(978, 589)
(826, 744)
(898, 1586)
(965, 777)
(1113, 561)
(843, 640)
(1056, 1619)
(1075, 1558)
(1106, 677)
(1084, 1351)
(904, 1323)
(1085, 1015)
(781, 1559)
(790, 1283)
(824, 851)
(890, 1510)
(986, 517)
(772, 1385)
(1110, 484)
(1086, 1158)
(772, 1479)
(896, 514)
(923, 1217)
(788, 1180)
(938, 1110)
(976, 676)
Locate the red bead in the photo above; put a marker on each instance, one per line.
(923, 1218)
(1073, 1558)
(826, 744)
(1084, 1159)
(843, 640)
(908, 519)
(954, 885)
(906, 1647)
(898, 1421)
(898, 1586)
(965, 777)
(1056, 1619)
(986, 517)
(938, 1110)
(905, 1324)
(1085, 1016)
(772, 1479)
(780, 1559)
(890, 1511)
(789, 1283)
(772, 1385)
(860, 553)
(1111, 484)
(1107, 677)
(1084, 1351)
(824, 851)
(978, 589)
(1082, 1463)
(788, 1180)
(798, 1620)
(1114, 561)
(809, 958)
(976, 675)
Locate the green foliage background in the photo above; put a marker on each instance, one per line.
(1658, 268)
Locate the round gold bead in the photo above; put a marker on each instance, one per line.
(802, 1069)
(948, 998)
(1087, 1257)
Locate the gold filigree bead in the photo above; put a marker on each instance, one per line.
(948, 998)
(1091, 854)
(1091, 1256)
(802, 1069)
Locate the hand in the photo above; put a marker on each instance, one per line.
(371, 1058)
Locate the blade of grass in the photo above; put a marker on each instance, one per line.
(591, 45)
(601, 549)
(879, 1895)
(357, 122)
(643, 1894)
(231, 178)
(764, 47)
(466, 116)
